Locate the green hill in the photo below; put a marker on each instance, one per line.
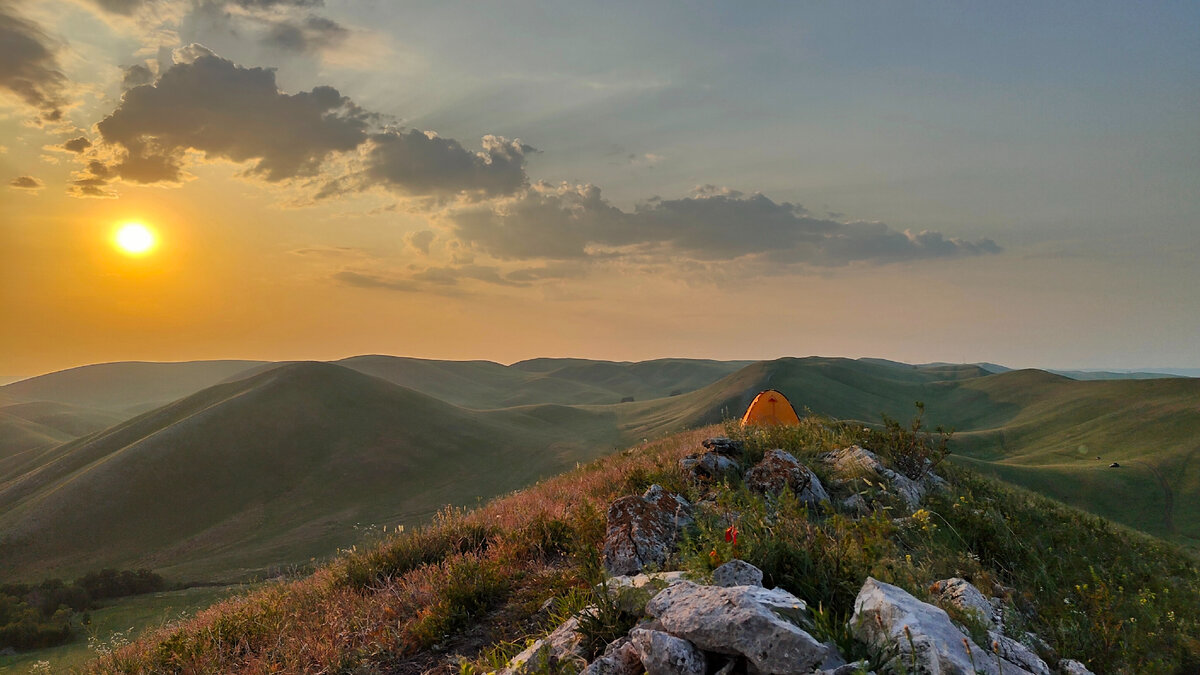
(124, 387)
(276, 467)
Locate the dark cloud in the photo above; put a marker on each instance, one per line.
(576, 222)
(136, 75)
(267, 4)
(26, 183)
(77, 145)
(28, 66)
(225, 111)
(423, 163)
(446, 279)
(122, 7)
(420, 240)
(310, 34)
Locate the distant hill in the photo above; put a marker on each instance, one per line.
(275, 467)
(484, 384)
(124, 387)
(277, 462)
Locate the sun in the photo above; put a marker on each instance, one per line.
(135, 239)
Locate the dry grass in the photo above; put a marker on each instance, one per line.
(373, 609)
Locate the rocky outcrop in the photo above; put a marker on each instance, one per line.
(619, 658)
(643, 530)
(709, 466)
(664, 654)
(562, 647)
(960, 593)
(737, 573)
(1073, 667)
(914, 635)
(758, 624)
(855, 462)
(779, 469)
(723, 445)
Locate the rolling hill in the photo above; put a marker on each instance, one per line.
(126, 387)
(275, 467)
(277, 463)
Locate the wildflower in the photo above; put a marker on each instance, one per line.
(731, 534)
(714, 556)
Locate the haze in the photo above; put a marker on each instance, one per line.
(1013, 183)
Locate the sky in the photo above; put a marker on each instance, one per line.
(1007, 182)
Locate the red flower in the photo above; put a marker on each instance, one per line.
(731, 534)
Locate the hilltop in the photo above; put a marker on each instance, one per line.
(470, 591)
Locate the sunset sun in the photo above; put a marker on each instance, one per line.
(135, 239)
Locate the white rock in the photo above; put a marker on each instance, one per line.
(901, 628)
(562, 645)
(620, 658)
(962, 594)
(737, 573)
(746, 620)
(1073, 667)
(1014, 651)
(854, 462)
(665, 654)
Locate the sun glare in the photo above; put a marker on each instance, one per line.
(135, 239)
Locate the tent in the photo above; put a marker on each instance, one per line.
(770, 408)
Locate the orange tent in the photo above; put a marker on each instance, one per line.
(770, 408)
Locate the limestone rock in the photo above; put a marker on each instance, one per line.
(633, 592)
(643, 530)
(779, 469)
(665, 654)
(619, 658)
(737, 573)
(563, 645)
(724, 446)
(1073, 667)
(855, 462)
(855, 505)
(1011, 650)
(709, 466)
(754, 622)
(897, 626)
(962, 594)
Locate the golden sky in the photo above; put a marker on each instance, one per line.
(338, 178)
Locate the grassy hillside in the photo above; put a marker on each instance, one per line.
(124, 387)
(484, 384)
(464, 594)
(276, 467)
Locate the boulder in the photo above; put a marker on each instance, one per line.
(709, 466)
(643, 530)
(724, 446)
(914, 635)
(759, 624)
(633, 592)
(620, 658)
(1011, 650)
(855, 505)
(1073, 667)
(779, 469)
(562, 646)
(665, 654)
(962, 594)
(737, 573)
(855, 462)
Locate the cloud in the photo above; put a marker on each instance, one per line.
(363, 280)
(28, 66)
(420, 240)
(26, 183)
(208, 104)
(136, 75)
(225, 111)
(77, 145)
(423, 163)
(310, 34)
(568, 222)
